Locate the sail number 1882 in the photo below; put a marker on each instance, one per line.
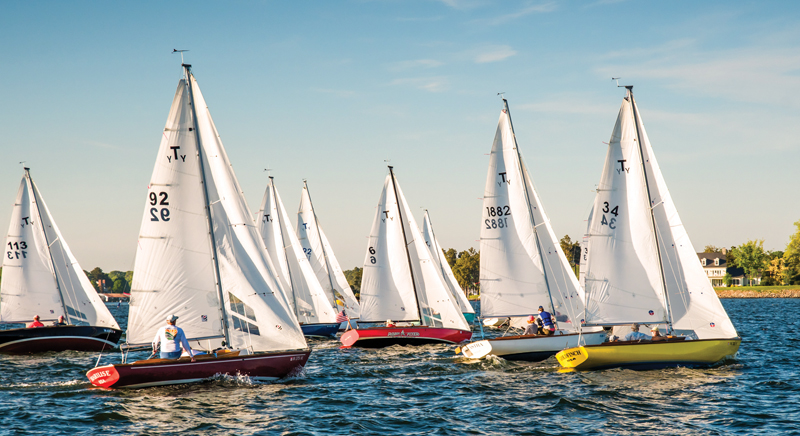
(497, 217)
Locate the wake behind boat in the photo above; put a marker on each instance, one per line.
(201, 257)
(42, 278)
(401, 283)
(522, 264)
(641, 266)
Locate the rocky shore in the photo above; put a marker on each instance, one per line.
(777, 293)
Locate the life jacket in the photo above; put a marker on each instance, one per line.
(547, 320)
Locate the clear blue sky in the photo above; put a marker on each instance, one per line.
(328, 90)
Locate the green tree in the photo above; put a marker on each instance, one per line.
(467, 269)
(791, 259)
(727, 279)
(751, 257)
(451, 255)
(712, 249)
(570, 249)
(353, 277)
(96, 275)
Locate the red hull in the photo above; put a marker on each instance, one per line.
(377, 337)
(159, 372)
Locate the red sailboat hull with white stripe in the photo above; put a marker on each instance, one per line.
(378, 337)
(160, 372)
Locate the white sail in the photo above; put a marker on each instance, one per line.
(584, 257)
(623, 280)
(320, 254)
(437, 255)
(40, 274)
(312, 306)
(400, 280)
(522, 264)
(220, 286)
(693, 304)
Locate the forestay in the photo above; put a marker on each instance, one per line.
(437, 256)
(522, 264)
(40, 274)
(177, 260)
(320, 254)
(312, 305)
(398, 267)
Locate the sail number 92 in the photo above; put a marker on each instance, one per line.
(159, 199)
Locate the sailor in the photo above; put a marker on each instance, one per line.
(172, 339)
(61, 321)
(548, 327)
(635, 335)
(35, 322)
(656, 334)
(531, 328)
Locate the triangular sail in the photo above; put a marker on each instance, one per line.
(40, 274)
(312, 305)
(693, 304)
(220, 286)
(623, 280)
(437, 255)
(320, 254)
(400, 280)
(522, 264)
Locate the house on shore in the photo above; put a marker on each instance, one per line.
(716, 266)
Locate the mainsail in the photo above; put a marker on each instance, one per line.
(40, 274)
(320, 254)
(200, 255)
(401, 281)
(642, 266)
(437, 256)
(522, 264)
(311, 304)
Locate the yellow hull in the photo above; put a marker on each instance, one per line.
(648, 355)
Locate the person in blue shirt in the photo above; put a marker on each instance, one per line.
(548, 324)
(172, 339)
(635, 335)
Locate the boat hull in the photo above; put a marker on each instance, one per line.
(58, 338)
(379, 337)
(529, 348)
(648, 354)
(160, 372)
(320, 330)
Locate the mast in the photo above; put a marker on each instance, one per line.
(650, 208)
(405, 242)
(321, 244)
(283, 244)
(187, 71)
(44, 233)
(530, 212)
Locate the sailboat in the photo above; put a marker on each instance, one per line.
(401, 285)
(437, 255)
(200, 257)
(313, 309)
(522, 264)
(42, 277)
(320, 254)
(642, 267)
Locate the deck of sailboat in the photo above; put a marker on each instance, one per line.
(379, 337)
(531, 348)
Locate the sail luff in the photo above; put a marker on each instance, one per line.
(207, 204)
(324, 252)
(283, 245)
(405, 245)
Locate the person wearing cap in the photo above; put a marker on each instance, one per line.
(548, 326)
(656, 334)
(35, 322)
(172, 339)
(61, 321)
(635, 335)
(531, 328)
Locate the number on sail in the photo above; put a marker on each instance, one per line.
(160, 199)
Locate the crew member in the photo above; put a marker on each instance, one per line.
(548, 326)
(172, 339)
(61, 321)
(635, 335)
(656, 334)
(35, 322)
(531, 329)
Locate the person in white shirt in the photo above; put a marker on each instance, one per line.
(172, 339)
(635, 335)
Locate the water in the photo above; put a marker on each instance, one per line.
(428, 390)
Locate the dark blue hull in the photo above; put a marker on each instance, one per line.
(321, 330)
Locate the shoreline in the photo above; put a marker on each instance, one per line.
(767, 293)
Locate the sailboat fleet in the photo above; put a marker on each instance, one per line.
(248, 288)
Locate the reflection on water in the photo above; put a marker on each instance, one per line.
(428, 390)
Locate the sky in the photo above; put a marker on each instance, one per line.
(330, 91)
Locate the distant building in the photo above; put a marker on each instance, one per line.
(716, 266)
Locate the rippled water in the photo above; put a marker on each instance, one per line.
(428, 390)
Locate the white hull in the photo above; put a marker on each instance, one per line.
(529, 347)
